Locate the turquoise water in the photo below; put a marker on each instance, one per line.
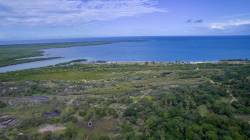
(161, 49)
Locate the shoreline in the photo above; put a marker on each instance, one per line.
(59, 61)
(20, 53)
(85, 61)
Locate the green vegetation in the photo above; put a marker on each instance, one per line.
(2, 104)
(13, 54)
(136, 101)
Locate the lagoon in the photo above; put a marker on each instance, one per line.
(160, 49)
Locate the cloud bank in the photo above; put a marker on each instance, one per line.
(63, 12)
(229, 24)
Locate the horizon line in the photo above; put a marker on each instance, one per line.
(76, 39)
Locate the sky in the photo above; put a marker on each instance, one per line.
(55, 19)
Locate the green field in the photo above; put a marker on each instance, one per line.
(137, 101)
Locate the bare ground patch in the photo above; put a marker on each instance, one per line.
(51, 128)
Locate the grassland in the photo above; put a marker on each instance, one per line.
(136, 101)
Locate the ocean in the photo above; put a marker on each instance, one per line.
(159, 49)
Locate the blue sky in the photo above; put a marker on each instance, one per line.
(44, 19)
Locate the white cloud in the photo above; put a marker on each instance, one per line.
(53, 12)
(229, 24)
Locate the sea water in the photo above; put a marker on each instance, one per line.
(159, 49)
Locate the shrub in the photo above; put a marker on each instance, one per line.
(2, 104)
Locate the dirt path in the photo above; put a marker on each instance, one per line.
(51, 128)
(233, 99)
(70, 102)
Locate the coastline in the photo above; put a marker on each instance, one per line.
(159, 50)
(59, 61)
(20, 53)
